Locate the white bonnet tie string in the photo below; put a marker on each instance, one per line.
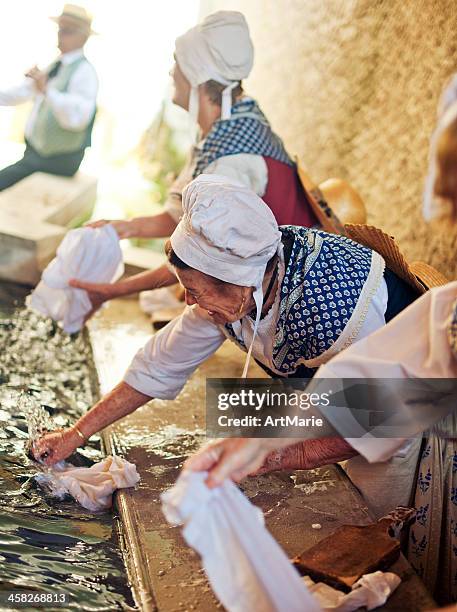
(258, 299)
(226, 105)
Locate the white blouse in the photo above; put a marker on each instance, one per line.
(249, 170)
(163, 366)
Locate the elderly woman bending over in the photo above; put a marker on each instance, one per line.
(292, 296)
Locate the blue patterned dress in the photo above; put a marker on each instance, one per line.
(432, 546)
(328, 285)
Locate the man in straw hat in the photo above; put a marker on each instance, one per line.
(59, 127)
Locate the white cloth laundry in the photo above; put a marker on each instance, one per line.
(246, 567)
(164, 297)
(88, 254)
(371, 591)
(92, 487)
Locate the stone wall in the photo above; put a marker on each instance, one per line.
(352, 87)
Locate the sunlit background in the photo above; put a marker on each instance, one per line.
(133, 54)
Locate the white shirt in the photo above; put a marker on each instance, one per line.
(414, 344)
(73, 109)
(162, 367)
(250, 170)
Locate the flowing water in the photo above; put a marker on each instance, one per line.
(47, 545)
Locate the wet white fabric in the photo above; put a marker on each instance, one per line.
(371, 591)
(218, 49)
(435, 207)
(246, 567)
(87, 254)
(91, 487)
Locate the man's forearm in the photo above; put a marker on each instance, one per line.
(151, 279)
(158, 226)
(119, 402)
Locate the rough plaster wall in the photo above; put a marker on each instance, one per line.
(352, 87)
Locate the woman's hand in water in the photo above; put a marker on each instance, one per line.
(56, 445)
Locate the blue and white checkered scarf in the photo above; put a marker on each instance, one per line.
(247, 131)
(324, 284)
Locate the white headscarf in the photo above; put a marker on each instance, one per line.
(435, 207)
(218, 49)
(228, 232)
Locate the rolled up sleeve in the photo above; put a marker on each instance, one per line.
(411, 358)
(161, 368)
(17, 95)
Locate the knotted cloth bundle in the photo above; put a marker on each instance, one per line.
(88, 254)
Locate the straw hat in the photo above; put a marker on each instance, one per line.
(342, 199)
(75, 16)
(419, 275)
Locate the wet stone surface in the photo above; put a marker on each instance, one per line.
(47, 545)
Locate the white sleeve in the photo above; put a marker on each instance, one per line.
(162, 367)
(250, 170)
(413, 346)
(17, 95)
(74, 108)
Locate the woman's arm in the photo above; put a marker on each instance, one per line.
(103, 292)
(157, 226)
(236, 458)
(119, 402)
(308, 454)
(159, 370)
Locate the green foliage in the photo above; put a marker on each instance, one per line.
(161, 159)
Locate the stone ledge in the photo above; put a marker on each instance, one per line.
(34, 217)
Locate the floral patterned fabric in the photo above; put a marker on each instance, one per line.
(329, 280)
(432, 546)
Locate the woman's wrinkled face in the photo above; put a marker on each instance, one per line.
(181, 85)
(223, 302)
